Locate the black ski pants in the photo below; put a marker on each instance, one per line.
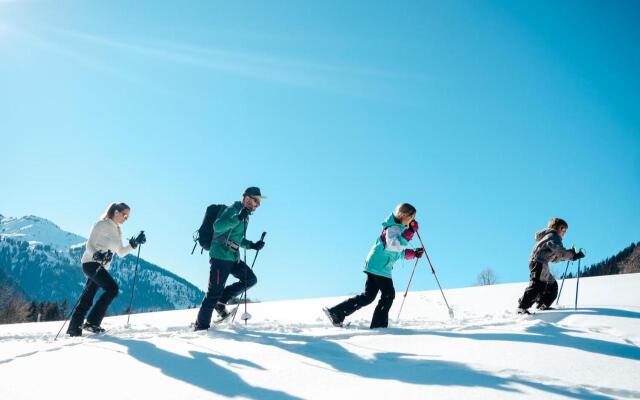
(549, 294)
(217, 292)
(98, 278)
(374, 284)
(537, 290)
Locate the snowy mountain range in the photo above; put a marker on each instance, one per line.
(43, 261)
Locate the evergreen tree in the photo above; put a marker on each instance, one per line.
(33, 311)
(64, 308)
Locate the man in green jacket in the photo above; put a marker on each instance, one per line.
(229, 229)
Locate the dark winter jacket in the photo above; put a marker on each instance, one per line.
(549, 248)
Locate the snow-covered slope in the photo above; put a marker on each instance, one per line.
(289, 351)
(36, 230)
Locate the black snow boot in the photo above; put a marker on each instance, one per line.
(74, 331)
(221, 309)
(335, 321)
(197, 328)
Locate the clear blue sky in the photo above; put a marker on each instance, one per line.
(490, 117)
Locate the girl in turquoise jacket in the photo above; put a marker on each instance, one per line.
(390, 246)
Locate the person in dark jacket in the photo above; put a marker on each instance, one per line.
(543, 287)
(229, 229)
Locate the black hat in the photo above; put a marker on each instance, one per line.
(254, 192)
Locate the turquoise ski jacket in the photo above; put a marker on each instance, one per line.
(389, 247)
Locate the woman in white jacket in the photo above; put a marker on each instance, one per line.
(104, 240)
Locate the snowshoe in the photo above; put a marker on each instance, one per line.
(97, 329)
(226, 316)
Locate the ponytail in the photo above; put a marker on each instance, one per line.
(113, 207)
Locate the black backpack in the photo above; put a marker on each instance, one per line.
(204, 235)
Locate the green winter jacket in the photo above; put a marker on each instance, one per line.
(228, 228)
(381, 258)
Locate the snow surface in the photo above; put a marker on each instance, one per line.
(36, 230)
(289, 351)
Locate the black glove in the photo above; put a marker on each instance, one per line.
(577, 256)
(141, 239)
(103, 257)
(257, 245)
(419, 252)
(243, 214)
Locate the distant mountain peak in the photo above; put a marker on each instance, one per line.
(38, 230)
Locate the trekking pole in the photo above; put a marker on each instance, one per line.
(562, 284)
(435, 276)
(578, 280)
(407, 291)
(81, 295)
(133, 287)
(577, 286)
(233, 318)
(246, 316)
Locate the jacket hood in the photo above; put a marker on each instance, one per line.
(544, 232)
(390, 221)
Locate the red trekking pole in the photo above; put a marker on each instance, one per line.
(407, 291)
(435, 276)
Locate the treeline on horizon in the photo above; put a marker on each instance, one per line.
(626, 261)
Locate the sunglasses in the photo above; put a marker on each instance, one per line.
(256, 199)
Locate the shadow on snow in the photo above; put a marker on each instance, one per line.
(198, 369)
(402, 367)
(548, 333)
